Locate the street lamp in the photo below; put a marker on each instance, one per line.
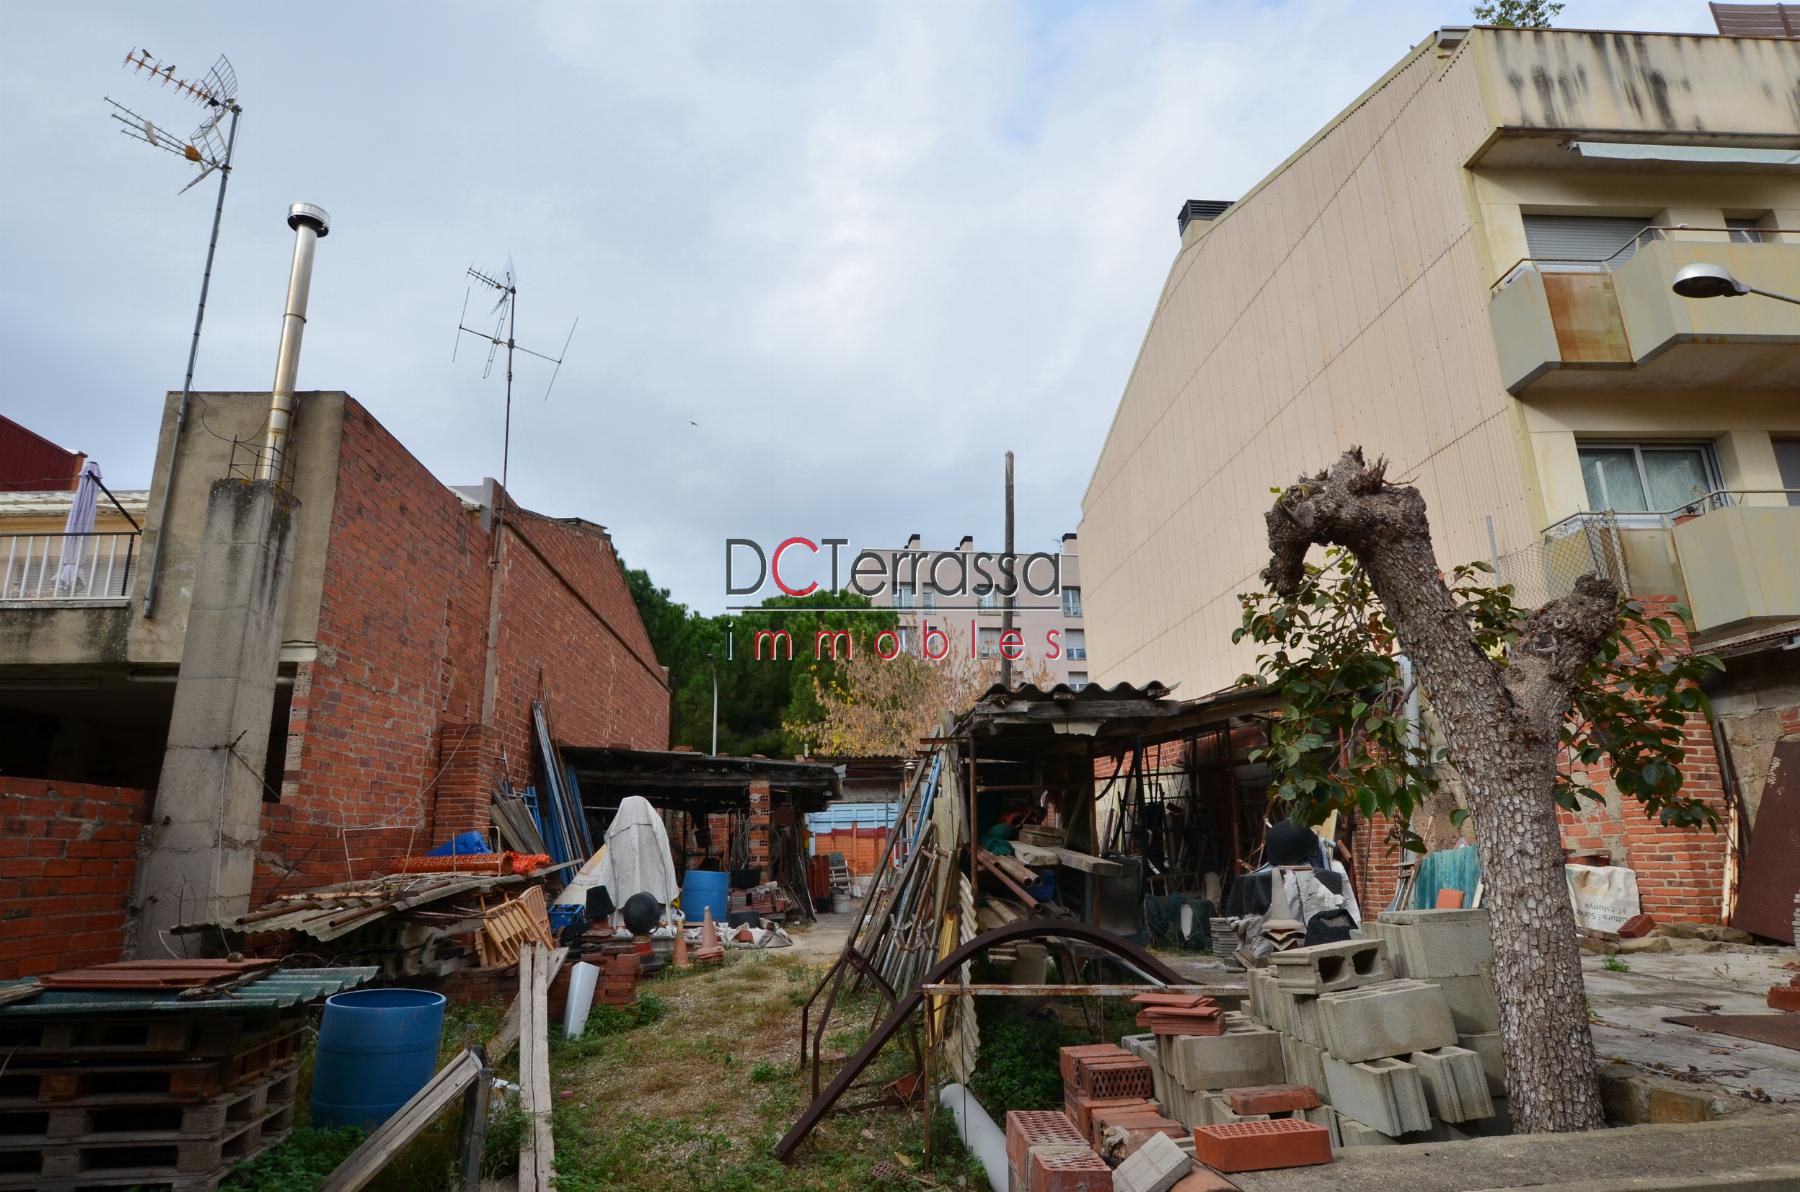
(1701, 280)
(713, 666)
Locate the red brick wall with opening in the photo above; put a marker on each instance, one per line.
(68, 853)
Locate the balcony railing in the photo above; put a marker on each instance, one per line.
(1732, 555)
(1555, 318)
(66, 568)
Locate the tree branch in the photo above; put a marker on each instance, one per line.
(1557, 641)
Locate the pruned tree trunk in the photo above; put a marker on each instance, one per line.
(1502, 726)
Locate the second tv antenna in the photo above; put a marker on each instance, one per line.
(504, 314)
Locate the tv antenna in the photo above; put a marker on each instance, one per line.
(504, 315)
(206, 147)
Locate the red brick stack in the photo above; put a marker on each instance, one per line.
(1106, 1087)
(618, 979)
(1045, 1153)
(1179, 1014)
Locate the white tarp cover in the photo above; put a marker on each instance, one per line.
(1604, 895)
(79, 524)
(637, 858)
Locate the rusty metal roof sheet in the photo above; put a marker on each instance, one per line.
(332, 911)
(999, 693)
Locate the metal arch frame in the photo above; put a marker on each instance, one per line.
(903, 1009)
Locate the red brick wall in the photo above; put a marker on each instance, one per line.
(387, 753)
(67, 856)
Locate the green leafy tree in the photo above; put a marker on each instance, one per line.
(1343, 742)
(1518, 14)
(758, 699)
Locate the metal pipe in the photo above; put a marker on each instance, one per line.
(310, 224)
(187, 382)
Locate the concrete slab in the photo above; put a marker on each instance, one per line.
(1428, 944)
(1629, 1009)
(1697, 1156)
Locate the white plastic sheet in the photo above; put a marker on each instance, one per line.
(637, 858)
(582, 980)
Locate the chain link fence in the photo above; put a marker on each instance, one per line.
(1547, 569)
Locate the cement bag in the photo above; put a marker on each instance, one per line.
(1604, 895)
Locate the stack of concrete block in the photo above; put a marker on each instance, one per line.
(1196, 1068)
(1377, 1041)
(1453, 949)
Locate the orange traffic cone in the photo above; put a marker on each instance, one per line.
(680, 959)
(709, 933)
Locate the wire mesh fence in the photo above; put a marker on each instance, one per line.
(1548, 568)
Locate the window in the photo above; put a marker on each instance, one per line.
(1646, 477)
(1071, 602)
(1075, 645)
(1077, 680)
(987, 600)
(987, 643)
(1787, 459)
(1582, 243)
(905, 597)
(905, 639)
(930, 599)
(1745, 231)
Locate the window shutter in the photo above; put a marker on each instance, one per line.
(1568, 240)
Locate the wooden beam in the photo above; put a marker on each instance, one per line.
(508, 1034)
(1038, 854)
(391, 1137)
(537, 1154)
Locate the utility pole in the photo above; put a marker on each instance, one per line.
(1006, 619)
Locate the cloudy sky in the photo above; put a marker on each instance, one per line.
(830, 260)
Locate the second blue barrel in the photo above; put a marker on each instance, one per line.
(702, 888)
(377, 1047)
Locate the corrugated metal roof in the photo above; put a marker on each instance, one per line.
(333, 911)
(286, 987)
(1031, 693)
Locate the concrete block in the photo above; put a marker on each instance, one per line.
(1429, 944)
(1296, 1014)
(1144, 1047)
(1384, 1093)
(1377, 1021)
(1354, 1133)
(1218, 1112)
(1326, 1116)
(1154, 1167)
(1455, 1085)
(1245, 1054)
(1473, 1006)
(1304, 1062)
(1493, 1058)
(1184, 1105)
(1327, 968)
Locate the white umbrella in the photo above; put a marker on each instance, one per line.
(81, 522)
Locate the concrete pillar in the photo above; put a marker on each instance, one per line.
(200, 845)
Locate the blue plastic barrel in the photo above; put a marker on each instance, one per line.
(377, 1047)
(701, 888)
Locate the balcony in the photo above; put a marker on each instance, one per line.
(39, 570)
(1732, 557)
(1563, 325)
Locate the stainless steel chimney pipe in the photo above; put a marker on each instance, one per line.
(310, 224)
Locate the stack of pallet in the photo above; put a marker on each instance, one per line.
(513, 923)
(163, 1100)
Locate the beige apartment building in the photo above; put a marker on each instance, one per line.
(1054, 609)
(1470, 271)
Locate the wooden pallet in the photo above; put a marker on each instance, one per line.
(167, 1078)
(117, 1160)
(512, 924)
(122, 1035)
(161, 1120)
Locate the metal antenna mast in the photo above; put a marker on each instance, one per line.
(505, 313)
(216, 92)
